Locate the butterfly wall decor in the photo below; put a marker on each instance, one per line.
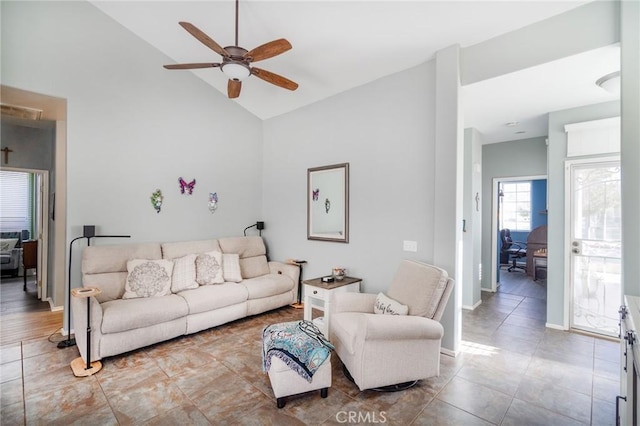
(188, 187)
(213, 201)
(316, 193)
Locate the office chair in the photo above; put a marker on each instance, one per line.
(512, 251)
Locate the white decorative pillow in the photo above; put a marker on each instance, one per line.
(387, 306)
(8, 244)
(148, 278)
(209, 268)
(231, 267)
(184, 273)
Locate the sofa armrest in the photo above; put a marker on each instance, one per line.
(353, 302)
(79, 324)
(286, 269)
(400, 327)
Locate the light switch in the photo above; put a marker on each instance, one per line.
(410, 246)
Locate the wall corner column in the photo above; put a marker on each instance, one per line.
(630, 143)
(448, 174)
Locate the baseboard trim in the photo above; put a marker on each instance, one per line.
(556, 327)
(449, 352)
(471, 308)
(53, 307)
(488, 290)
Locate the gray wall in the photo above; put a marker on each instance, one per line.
(557, 315)
(132, 127)
(526, 157)
(472, 209)
(32, 142)
(385, 131)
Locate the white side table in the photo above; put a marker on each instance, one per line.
(323, 292)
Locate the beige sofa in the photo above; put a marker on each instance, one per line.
(120, 325)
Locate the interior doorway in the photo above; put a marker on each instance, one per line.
(33, 218)
(537, 216)
(52, 110)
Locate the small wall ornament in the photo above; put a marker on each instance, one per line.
(156, 200)
(213, 201)
(188, 187)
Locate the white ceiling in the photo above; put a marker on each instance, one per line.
(339, 45)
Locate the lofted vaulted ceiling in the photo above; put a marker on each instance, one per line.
(339, 45)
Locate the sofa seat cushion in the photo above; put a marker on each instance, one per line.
(268, 285)
(129, 314)
(209, 297)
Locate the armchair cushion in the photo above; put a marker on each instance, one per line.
(420, 286)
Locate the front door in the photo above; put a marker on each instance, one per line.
(595, 246)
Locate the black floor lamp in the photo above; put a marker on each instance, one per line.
(88, 232)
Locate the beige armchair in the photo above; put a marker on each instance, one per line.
(393, 351)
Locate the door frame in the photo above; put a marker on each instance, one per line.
(43, 226)
(494, 221)
(568, 222)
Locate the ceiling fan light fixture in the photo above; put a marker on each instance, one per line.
(610, 82)
(236, 71)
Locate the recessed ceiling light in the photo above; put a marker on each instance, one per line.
(512, 123)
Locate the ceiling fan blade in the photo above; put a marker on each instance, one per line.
(233, 88)
(191, 66)
(204, 39)
(272, 78)
(268, 50)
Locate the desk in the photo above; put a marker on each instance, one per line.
(539, 261)
(317, 290)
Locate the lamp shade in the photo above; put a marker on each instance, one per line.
(236, 71)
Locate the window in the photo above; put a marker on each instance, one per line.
(516, 206)
(16, 201)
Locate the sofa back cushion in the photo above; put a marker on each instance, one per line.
(252, 252)
(105, 267)
(175, 250)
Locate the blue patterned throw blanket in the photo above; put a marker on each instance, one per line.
(299, 344)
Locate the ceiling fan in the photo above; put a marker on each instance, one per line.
(236, 61)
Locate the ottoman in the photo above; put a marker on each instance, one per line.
(297, 358)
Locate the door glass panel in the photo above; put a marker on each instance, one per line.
(596, 247)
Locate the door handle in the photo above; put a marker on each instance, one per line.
(576, 251)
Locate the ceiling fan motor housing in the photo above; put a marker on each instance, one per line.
(237, 67)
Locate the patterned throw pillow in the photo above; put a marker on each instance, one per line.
(387, 306)
(231, 267)
(209, 268)
(184, 273)
(148, 278)
(8, 244)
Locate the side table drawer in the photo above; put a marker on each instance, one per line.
(316, 292)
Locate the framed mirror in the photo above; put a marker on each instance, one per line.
(328, 203)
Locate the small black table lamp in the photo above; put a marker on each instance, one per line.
(259, 226)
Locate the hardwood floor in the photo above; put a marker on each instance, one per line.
(22, 316)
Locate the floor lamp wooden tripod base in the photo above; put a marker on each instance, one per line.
(78, 365)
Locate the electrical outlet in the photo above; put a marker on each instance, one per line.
(410, 246)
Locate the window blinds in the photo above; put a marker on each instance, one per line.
(16, 201)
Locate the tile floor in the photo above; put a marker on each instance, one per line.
(512, 371)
